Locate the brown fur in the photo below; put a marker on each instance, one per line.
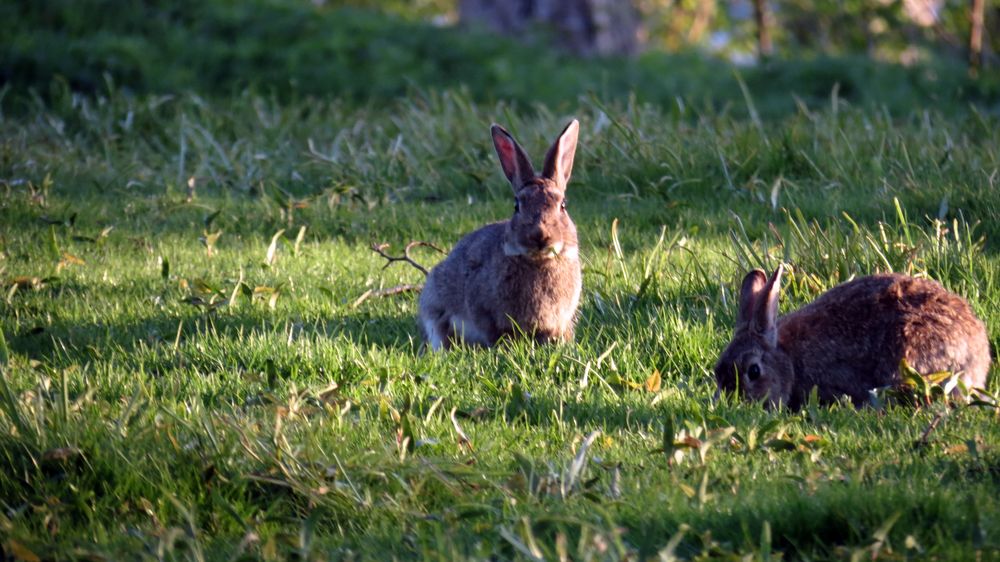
(849, 340)
(519, 275)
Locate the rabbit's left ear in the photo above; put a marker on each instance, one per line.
(766, 315)
(559, 158)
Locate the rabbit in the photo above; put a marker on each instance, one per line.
(518, 276)
(849, 340)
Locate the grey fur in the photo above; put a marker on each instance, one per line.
(849, 340)
(516, 276)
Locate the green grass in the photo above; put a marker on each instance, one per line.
(155, 404)
(187, 196)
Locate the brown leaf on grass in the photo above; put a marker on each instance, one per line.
(688, 441)
(22, 552)
(653, 382)
(26, 282)
(957, 449)
(69, 259)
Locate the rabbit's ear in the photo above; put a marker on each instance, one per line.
(559, 158)
(513, 160)
(766, 315)
(750, 292)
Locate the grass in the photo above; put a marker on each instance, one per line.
(188, 372)
(170, 392)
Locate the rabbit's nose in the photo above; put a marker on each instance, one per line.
(547, 243)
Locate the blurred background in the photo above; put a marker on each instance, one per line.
(897, 54)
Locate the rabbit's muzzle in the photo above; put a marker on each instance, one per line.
(537, 252)
(537, 245)
(540, 227)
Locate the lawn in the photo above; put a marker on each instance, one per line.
(196, 367)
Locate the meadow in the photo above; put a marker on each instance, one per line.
(198, 365)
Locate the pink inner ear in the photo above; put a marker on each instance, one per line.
(506, 150)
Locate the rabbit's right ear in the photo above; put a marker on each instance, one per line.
(766, 313)
(513, 159)
(559, 159)
(750, 292)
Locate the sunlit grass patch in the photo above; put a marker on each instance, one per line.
(188, 371)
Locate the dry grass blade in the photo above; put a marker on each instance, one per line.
(576, 468)
(463, 439)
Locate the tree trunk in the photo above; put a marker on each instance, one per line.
(976, 36)
(585, 27)
(760, 15)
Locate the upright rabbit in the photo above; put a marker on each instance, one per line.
(849, 340)
(518, 275)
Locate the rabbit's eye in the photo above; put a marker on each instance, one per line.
(753, 373)
(563, 205)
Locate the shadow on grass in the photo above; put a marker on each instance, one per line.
(219, 341)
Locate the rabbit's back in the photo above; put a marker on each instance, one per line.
(853, 337)
(444, 297)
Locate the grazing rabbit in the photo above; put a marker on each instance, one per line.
(849, 340)
(514, 276)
